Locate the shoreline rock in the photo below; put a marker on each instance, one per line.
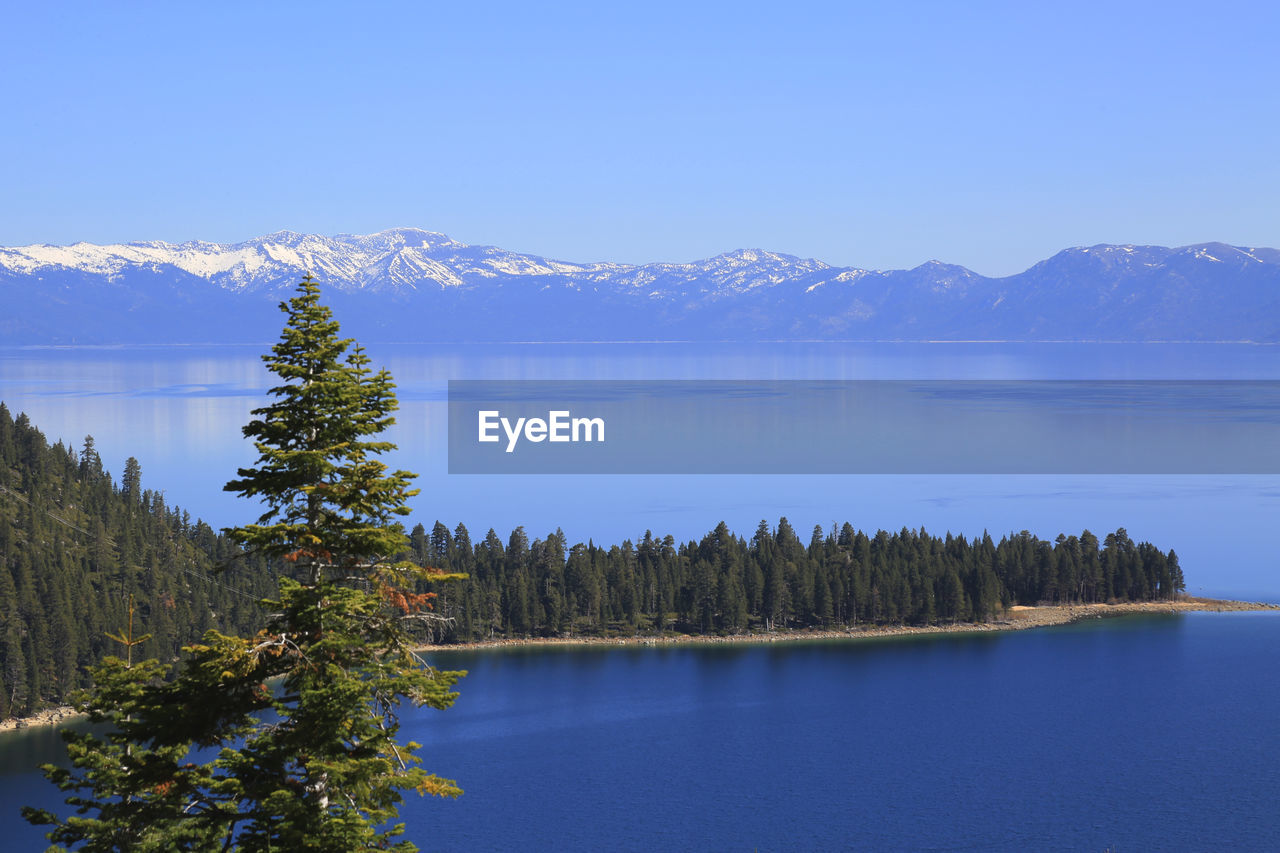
(48, 717)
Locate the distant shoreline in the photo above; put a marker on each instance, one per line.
(1018, 618)
(258, 345)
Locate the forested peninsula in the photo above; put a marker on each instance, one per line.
(724, 584)
(77, 547)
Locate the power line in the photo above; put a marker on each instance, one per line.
(56, 518)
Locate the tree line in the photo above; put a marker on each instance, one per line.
(76, 547)
(724, 583)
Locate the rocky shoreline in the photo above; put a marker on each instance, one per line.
(47, 717)
(1017, 618)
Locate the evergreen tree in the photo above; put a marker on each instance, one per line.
(90, 462)
(314, 764)
(131, 481)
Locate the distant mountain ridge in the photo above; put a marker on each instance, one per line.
(411, 285)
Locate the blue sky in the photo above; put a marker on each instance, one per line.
(877, 135)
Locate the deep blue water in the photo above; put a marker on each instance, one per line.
(1136, 733)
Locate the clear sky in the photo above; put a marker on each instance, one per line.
(872, 134)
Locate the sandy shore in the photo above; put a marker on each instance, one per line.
(1016, 619)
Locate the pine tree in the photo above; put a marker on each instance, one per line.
(131, 481)
(315, 763)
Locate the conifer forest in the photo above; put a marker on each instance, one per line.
(76, 547)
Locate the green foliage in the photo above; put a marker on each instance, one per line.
(133, 792)
(328, 498)
(297, 725)
(724, 584)
(75, 549)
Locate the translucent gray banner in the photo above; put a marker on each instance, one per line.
(864, 427)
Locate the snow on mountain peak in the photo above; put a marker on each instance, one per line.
(346, 261)
(202, 291)
(389, 260)
(407, 259)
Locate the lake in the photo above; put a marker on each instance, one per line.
(179, 411)
(1134, 733)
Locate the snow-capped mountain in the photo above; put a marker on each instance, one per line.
(403, 257)
(406, 284)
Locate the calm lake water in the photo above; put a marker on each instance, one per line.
(180, 410)
(1136, 733)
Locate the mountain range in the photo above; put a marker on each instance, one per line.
(412, 285)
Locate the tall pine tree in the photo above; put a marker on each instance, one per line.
(303, 716)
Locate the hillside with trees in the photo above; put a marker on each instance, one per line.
(76, 547)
